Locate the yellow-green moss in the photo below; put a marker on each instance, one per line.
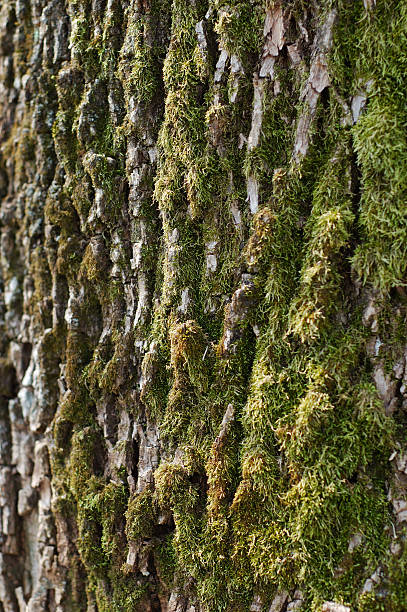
(141, 516)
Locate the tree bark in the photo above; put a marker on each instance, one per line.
(203, 383)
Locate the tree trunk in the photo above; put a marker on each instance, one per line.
(203, 382)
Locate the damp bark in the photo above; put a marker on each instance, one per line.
(203, 382)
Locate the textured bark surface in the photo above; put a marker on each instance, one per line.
(203, 383)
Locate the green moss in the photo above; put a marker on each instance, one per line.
(89, 543)
(381, 257)
(154, 392)
(82, 479)
(240, 26)
(66, 145)
(108, 371)
(378, 70)
(100, 508)
(144, 50)
(141, 516)
(166, 561)
(390, 593)
(128, 592)
(327, 233)
(170, 482)
(112, 504)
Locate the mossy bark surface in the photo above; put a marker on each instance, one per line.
(203, 376)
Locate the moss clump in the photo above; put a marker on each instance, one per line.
(141, 516)
(82, 456)
(127, 593)
(154, 391)
(327, 232)
(188, 345)
(89, 543)
(390, 592)
(166, 561)
(190, 362)
(170, 482)
(258, 246)
(95, 264)
(377, 72)
(239, 26)
(143, 51)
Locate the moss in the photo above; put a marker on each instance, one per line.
(76, 595)
(170, 482)
(141, 516)
(180, 494)
(94, 266)
(112, 503)
(258, 247)
(108, 371)
(155, 383)
(328, 231)
(100, 508)
(188, 345)
(378, 70)
(62, 135)
(390, 593)
(69, 255)
(89, 543)
(190, 361)
(166, 561)
(312, 480)
(381, 218)
(116, 375)
(141, 68)
(240, 26)
(78, 353)
(276, 137)
(128, 592)
(81, 460)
